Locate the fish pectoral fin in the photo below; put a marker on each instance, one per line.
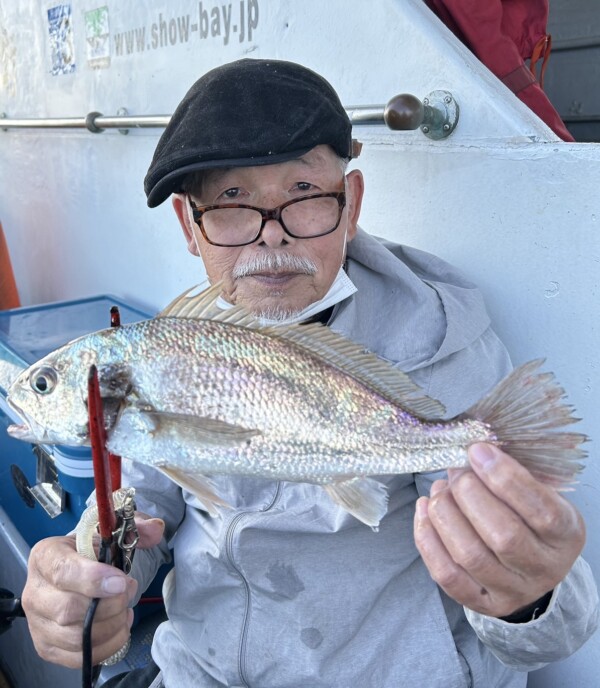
(206, 431)
(138, 427)
(198, 485)
(364, 498)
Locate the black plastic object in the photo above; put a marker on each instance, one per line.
(10, 609)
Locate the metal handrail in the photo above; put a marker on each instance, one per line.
(94, 122)
(437, 117)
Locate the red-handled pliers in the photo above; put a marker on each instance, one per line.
(118, 533)
(117, 530)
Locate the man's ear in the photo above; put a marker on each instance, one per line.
(181, 210)
(356, 189)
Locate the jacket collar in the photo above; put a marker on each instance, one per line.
(411, 307)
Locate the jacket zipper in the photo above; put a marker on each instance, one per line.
(230, 536)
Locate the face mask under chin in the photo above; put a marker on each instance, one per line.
(341, 289)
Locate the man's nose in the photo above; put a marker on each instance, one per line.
(273, 235)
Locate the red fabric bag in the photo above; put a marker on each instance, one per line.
(503, 34)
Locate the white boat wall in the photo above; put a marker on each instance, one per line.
(501, 197)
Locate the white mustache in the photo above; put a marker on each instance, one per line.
(275, 262)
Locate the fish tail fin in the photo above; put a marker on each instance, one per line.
(524, 412)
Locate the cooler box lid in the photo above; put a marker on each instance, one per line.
(31, 332)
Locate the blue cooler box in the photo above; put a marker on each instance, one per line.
(43, 488)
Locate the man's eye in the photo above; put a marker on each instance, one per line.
(232, 193)
(304, 186)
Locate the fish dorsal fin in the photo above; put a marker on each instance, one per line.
(204, 306)
(366, 367)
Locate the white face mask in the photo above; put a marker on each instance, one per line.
(341, 288)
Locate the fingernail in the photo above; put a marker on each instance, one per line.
(133, 586)
(421, 509)
(114, 585)
(438, 486)
(482, 455)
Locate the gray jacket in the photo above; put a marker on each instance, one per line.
(288, 591)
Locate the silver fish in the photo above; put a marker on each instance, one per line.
(9, 371)
(198, 391)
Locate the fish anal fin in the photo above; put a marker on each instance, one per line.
(365, 498)
(198, 485)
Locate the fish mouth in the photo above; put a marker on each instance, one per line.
(28, 431)
(23, 433)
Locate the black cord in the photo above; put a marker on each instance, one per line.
(89, 672)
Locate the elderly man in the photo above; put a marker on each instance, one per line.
(472, 579)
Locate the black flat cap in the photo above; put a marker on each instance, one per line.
(245, 113)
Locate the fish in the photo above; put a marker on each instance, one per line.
(9, 371)
(199, 391)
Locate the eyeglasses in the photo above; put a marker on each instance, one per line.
(239, 225)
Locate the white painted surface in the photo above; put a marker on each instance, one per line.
(502, 198)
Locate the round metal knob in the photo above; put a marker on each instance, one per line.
(404, 112)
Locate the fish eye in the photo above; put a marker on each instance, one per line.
(43, 380)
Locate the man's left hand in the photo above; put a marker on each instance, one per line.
(494, 538)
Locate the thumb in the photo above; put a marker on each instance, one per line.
(150, 530)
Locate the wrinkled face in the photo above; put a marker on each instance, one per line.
(286, 286)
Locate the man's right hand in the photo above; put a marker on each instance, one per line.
(60, 585)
